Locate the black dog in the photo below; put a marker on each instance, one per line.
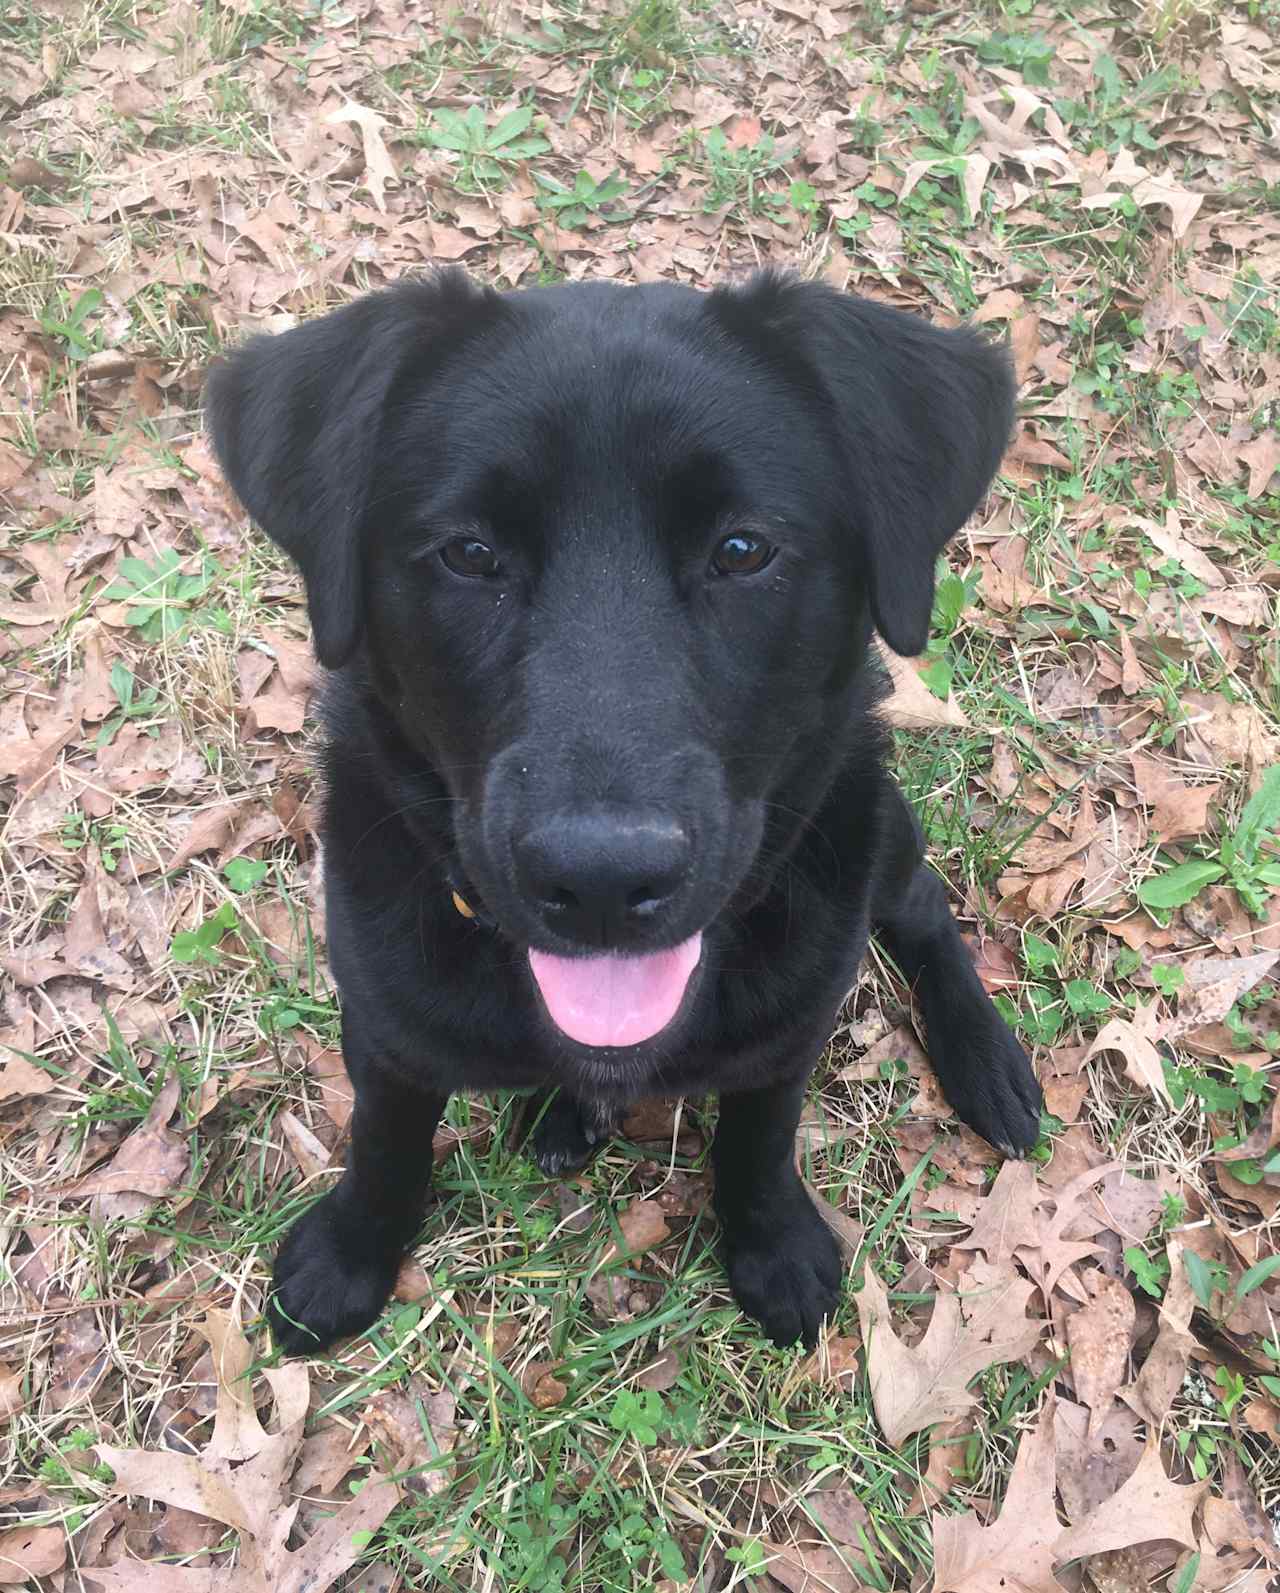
(595, 569)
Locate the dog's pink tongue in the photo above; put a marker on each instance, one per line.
(615, 1000)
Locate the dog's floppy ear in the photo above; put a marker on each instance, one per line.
(296, 421)
(922, 416)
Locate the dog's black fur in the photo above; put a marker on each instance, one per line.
(608, 705)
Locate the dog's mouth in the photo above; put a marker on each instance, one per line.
(614, 1000)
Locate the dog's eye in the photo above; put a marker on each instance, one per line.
(742, 553)
(466, 556)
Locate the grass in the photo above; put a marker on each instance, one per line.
(619, 1484)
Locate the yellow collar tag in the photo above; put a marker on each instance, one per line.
(463, 908)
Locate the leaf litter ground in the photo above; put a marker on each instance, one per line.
(1064, 1374)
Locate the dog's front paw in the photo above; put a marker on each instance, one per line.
(569, 1133)
(331, 1280)
(995, 1092)
(785, 1269)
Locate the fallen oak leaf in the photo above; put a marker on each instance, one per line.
(911, 1388)
(1153, 1390)
(1147, 1507)
(150, 1163)
(1213, 986)
(251, 1497)
(1099, 1335)
(1051, 1254)
(237, 1432)
(1007, 1218)
(1134, 1040)
(1016, 1550)
(379, 168)
(912, 705)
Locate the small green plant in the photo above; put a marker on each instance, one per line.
(952, 595)
(751, 1556)
(637, 1416)
(159, 596)
(1241, 859)
(1199, 1450)
(1085, 1000)
(66, 322)
(1208, 1278)
(484, 152)
(201, 945)
(574, 207)
(1168, 979)
(738, 173)
(1232, 1389)
(634, 1537)
(1152, 1272)
(110, 837)
(244, 874)
(1271, 1349)
(55, 1469)
(134, 704)
(1027, 53)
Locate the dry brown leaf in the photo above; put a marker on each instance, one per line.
(80, 1358)
(948, 1442)
(1099, 1335)
(547, 1391)
(19, 1077)
(251, 1496)
(912, 705)
(1262, 456)
(1152, 1392)
(1147, 1507)
(1133, 677)
(1091, 1470)
(1134, 1040)
(237, 1432)
(836, 1357)
(337, 1094)
(1016, 1550)
(808, 1569)
(12, 1398)
(911, 1388)
(27, 1552)
(309, 1153)
(150, 1164)
(1213, 986)
(661, 1373)
(379, 168)
(210, 830)
(643, 1225)
(415, 1426)
(1052, 1254)
(899, 1045)
(1007, 1217)
(412, 1282)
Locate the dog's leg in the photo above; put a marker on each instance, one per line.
(339, 1261)
(567, 1131)
(983, 1070)
(783, 1261)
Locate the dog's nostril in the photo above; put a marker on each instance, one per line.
(561, 900)
(644, 902)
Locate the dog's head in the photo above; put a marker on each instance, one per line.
(613, 556)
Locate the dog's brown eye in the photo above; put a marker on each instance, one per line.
(466, 556)
(742, 554)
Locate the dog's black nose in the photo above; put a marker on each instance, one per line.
(597, 875)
